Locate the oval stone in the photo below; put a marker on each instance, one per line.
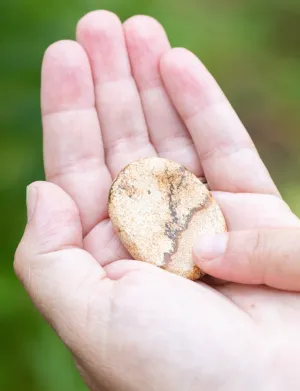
(158, 209)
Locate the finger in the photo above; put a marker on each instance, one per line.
(59, 276)
(269, 257)
(118, 103)
(73, 150)
(110, 248)
(146, 43)
(227, 154)
(250, 211)
(257, 211)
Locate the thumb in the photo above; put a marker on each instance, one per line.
(265, 256)
(50, 262)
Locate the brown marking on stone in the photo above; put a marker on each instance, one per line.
(128, 189)
(168, 256)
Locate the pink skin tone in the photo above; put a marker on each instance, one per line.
(117, 94)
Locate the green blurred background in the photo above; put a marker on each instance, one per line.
(252, 48)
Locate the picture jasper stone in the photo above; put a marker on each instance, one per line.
(158, 209)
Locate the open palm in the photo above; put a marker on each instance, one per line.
(118, 94)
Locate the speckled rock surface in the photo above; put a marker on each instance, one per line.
(158, 209)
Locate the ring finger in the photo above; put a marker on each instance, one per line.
(121, 117)
(147, 42)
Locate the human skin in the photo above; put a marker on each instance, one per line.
(129, 325)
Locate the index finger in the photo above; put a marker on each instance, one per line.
(228, 156)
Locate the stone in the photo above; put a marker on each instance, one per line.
(158, 209)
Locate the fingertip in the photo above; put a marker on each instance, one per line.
(32, 195)
(102, 36)
(182, 70)
(209, 247)
(54, 220)
(146, 42)
(31, 200)
(177, 59)
(66, 78)
(65, 48)
(209, 254)
(94, 21)
(146, 38)
(143, 26)
(189, 84)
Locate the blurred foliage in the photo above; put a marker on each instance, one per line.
(253, 50)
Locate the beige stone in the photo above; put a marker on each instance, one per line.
(158, 209)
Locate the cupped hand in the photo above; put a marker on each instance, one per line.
(117, 94)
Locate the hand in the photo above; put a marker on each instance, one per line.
(130, 325)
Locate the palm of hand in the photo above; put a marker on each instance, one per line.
(143, 328)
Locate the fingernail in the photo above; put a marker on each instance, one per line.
(209, 247)
(31, 199)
